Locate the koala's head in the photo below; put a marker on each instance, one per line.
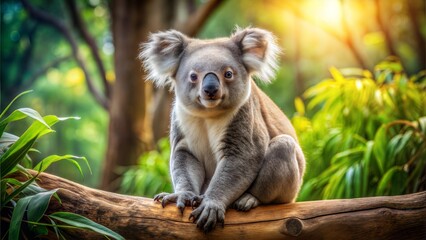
(210, 76)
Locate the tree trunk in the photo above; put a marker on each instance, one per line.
(397, 217)
(130, 130)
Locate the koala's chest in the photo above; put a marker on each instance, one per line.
(203, 139)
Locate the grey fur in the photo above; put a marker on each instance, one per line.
(230, 148)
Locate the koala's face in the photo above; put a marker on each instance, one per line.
(210, 76)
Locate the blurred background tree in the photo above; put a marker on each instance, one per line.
(80, 58)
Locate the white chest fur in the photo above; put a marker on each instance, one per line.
(203, 137)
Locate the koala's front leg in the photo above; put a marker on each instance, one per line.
(231, 178)
(187, 177)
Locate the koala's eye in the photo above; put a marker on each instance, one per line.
(193, 77)
(228, 74)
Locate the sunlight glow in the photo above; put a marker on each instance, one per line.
(328, 11)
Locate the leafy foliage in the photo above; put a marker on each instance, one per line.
(24, 204)
(367, 135)
(151, 175)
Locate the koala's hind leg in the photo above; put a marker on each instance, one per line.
(280, 177)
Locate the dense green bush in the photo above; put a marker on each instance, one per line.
(24, 204)
(151, 175)
(367, 134)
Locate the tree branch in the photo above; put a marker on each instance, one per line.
(49, 20)
(396, 217)
(82, 30)
(385, 31)
(194, 22)
(43, 70)
(345, 40)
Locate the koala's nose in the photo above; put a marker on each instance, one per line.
(210, 85)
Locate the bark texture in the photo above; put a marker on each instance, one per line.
(396, 217)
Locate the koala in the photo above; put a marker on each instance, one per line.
(231, 146)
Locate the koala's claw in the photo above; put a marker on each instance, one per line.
(181, 207)
(160, 196)
(181, 199)
(208, 215)
(196, 201)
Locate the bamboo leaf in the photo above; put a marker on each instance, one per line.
(385, 182)
(299, 105)
(10, 104)
(55, 227)
(85, 223)
(346, 154)
(6, 140)
(46, 162)
(422, 124)
(336, 74)
(357, 181)
(17, 215)
(379, 148)
(23, 113)
(33, 189)
(349, 176)
(20, 148)
(38, 205)
(19, 190)
(367, 160)
(9, 161)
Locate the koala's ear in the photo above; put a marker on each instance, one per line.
(259, 51)
(161, 55)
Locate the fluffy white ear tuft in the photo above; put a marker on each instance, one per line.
(161, 55)
(259, 51)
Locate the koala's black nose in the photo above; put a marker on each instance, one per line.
(210, 85)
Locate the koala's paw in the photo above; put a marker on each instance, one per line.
(181, 199)
(208, 214)
(245, 202)
(196, 201)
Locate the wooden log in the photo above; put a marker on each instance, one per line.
(396, 217)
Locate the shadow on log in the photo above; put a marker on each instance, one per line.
(397, 217)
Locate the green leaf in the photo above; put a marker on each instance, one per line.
(6, 140)
(379, 148)
(19, 190)
(357, 181)
(55, 227)
(349, 177)
(367, 160)
(422, 124)
(385, 182)
(10, 104)
(336, 74)
(20, 114)
(3, 193)
(17, 215)
(46, 162)
(9, 161)
(354, 152)
(33, 189)
(20, 148)
(85, 223)
(299, 105)
(402, 143)
(38, 205)
(38, 230)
